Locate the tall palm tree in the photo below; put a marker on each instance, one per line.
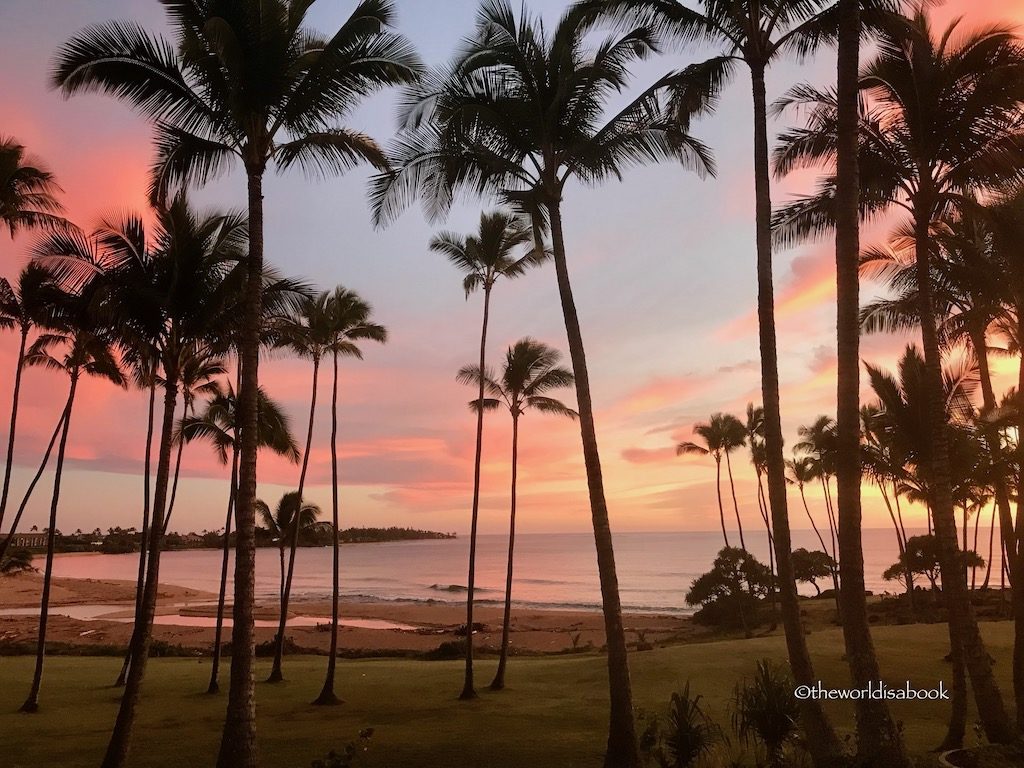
(76, 345)
(348, 323)
(22, 305)
(545, 96)
(800, 472)
(493, 252)
(722, 434)
(530, 372)
(275, 95)
(940, 121)
(288, 520)
(305, 332)
(173, 285)
(754, 429)
(28, 190)
(819, 441)
(218, 424)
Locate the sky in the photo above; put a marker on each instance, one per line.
(662, 266)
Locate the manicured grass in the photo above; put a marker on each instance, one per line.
(552, 714)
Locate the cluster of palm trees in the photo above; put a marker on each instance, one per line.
(930, 127)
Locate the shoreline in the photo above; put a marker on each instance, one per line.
(365, 627)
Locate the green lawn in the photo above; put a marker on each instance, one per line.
(553, 713)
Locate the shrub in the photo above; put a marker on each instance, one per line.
(346, 758)
(766, 709)
(687, 736)
(732, 593)
(809, 566)
(17, 560)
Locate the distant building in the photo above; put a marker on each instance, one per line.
(31, 540)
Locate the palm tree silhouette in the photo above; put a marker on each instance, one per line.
(28, 190)
(275, 97)
(967, 89)
(818, 441)
(22, 305)
(530, 371)
(218, 424)
(722, 434)
(77, 345)
(284, 526)
(348, 323)
(801, 471)
(484, 258)
(546, 95)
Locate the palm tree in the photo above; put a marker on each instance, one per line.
(21, 306)
(307, 333)
(801, 471)
(530, 371)
(545, 97)
(754, 429)
(722, 434)
(819, 442)
(218, 424)
(281, 523)
(941, 121)
(28, 190)
(348, 323)
(76, 345)
(172, 286)
(275, 95)
(483, 258)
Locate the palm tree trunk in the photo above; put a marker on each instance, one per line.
(735, 505)
(718, 489)
(879, 740)
(622, 749)
(991, 546)
(908, 576)
(177, 471)
(6, 541)
(821, 738)
(830, 515)
(120, 737)
(821, 539)
(499, 678)
(140, 581)
(238, 740)
(32, 701)
(276, 673)
(214, 686)
(762, 506)
(468, 689)
(998, 727)
(14, 422)
(977, 520)
(956, 728)
(327, 695)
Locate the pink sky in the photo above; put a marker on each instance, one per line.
(663, 269)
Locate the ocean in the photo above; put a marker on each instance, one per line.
(553, 571)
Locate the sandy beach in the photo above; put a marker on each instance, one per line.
(424, 626)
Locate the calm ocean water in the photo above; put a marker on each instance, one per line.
(552, 570)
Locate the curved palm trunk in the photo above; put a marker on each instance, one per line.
(6, 542)
(974, 570)
(214, 686)
(879, 741)
(762, 507)
(995, 721)
(14, 422)
(238, 740)
(822, 741)
(991, 547)
(622, 744)
(276, 673)
(32, 701)
(140, 582)
(735, 505)
(956, 728)
(831, 516)
(327, 695)
(499, 677)
(718, 489)
(120, 737)
(468, 689)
